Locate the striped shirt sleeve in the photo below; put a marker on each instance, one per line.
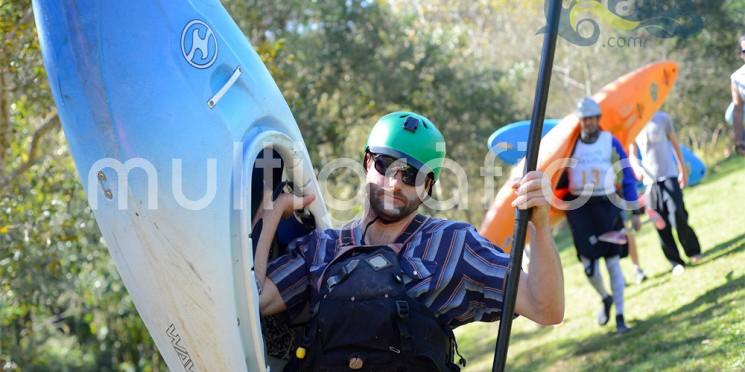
(486, 265)
(290, 272)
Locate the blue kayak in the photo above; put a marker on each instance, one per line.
(510, 142)
(166, 108)
(696, 167)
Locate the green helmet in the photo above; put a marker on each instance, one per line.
(411, 136)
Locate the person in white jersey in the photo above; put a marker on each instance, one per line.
(595, 208)
(737, 87)
(664, 178)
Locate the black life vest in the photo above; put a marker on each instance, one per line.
(364, 320)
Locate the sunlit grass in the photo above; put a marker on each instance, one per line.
(692, 322)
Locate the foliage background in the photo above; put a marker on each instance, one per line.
(468, 65)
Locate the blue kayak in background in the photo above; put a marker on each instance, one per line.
(166, 108)
(696, 167)
(510, 142)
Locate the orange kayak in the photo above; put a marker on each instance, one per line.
(627, 105)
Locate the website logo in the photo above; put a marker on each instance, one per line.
(581, 19)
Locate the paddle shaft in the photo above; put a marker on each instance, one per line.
(523, 216)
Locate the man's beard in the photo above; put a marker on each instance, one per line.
(384, 205)
(590, 136)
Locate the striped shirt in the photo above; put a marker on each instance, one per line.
(457, 273)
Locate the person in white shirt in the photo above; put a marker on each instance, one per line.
(664, 179)
(737, 87)
(591, 179)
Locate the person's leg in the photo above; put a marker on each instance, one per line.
(665, 206)
(581, 225)
(686, 235)
(594, 276)
(613, 265)
(667, 241)
(592, 270)
(738, 134)
(582, 222)
(634, 255)
(688, 239)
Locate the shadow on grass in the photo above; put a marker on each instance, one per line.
(477, 351)
(537, 331)
(730, 247)
(652, 282)
(659, 342)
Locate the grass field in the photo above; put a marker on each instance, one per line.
(692, 322)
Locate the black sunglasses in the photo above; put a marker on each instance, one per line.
(384, 162)
(742, 51)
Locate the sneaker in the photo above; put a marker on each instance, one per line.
(621, 327)
(640, 276)
(604, 313)
(696, 259)
(678, 269)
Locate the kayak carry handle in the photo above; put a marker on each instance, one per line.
(220, 93)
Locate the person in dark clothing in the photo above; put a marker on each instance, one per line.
(384, 292)
(664, 174)
(596, 217)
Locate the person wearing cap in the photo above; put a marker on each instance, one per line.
(664, 179)
(737, 88)
(593, 214)
(385, 291)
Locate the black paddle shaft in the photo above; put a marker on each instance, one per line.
(523, 216)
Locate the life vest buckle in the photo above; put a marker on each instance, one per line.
(402, 308)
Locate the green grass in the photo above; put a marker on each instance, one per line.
(692, 322)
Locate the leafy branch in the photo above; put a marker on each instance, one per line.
(49, 123)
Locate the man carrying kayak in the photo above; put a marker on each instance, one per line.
(385, 291)
(594, 218)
